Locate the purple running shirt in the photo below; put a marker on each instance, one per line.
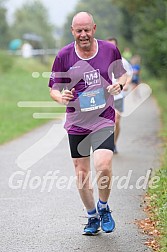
(92, 107)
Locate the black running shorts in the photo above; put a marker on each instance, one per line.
(80, 145)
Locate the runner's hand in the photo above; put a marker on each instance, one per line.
(114, 89)
(67, 96)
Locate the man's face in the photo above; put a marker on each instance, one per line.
(84, 34)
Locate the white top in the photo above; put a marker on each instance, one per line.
(129, 72)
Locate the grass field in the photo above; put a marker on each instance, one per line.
(158, 196)
(17, 84)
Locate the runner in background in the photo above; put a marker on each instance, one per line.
(127, 54)
(136, 66)
(119, 99)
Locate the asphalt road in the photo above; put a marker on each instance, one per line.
(41, 214)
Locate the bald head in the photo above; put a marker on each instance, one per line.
(82, 17)
(83, 29)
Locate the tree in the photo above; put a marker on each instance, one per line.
(148, 31)
(4, 28)
(33, 18)
(151, 36)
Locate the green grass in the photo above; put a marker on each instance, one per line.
(159, 194)
(17, 84)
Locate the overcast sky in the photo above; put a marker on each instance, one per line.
(57, 9)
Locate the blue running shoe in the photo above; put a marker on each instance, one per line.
(107, 222)
(92, 227)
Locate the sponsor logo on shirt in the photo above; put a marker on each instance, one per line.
(74, 67)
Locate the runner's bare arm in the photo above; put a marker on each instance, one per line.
(62, 98)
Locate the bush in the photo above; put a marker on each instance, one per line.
(7, 61)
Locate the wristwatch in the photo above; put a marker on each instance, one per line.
(121, 86)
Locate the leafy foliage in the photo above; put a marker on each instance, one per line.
(150, 36)
(32, 18)
(148, 31)
(4, 28)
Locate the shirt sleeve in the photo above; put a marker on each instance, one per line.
(58, 78)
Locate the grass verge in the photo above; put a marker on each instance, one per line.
(17, 84)
(157, 203)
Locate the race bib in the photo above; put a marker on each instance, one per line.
(93, 97)
(92, 100)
